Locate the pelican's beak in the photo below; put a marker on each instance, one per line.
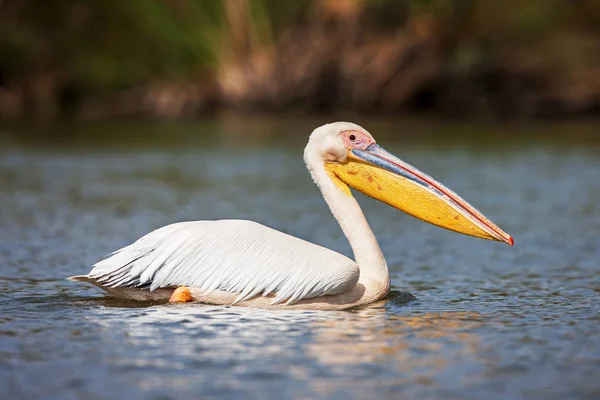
(378, 174)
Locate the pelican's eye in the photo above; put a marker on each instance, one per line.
(356, 140)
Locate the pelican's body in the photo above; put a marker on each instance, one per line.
(248, 264)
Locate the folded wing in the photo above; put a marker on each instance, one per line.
(235, 256)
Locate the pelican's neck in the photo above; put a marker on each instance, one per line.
(349, 215)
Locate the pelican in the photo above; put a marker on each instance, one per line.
(244, 263)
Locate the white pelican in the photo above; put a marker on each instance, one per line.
(237, 262)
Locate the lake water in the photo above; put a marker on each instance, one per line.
(490, 321)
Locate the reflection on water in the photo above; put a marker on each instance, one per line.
(489, 321)
(373, 336)
(287, 345)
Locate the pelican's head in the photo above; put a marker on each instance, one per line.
(353, 158)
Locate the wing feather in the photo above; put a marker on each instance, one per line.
(235, 256)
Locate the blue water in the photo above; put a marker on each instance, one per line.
(490, 321)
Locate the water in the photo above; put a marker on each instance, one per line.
(491, 321)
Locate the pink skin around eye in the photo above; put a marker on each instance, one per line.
(360, 140)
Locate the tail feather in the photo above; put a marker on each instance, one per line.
(131, 293)
(81, 278)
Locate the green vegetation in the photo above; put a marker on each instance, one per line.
(174, 58)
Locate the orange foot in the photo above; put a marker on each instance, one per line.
(181, 295)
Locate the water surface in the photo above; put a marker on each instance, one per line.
(491, 321)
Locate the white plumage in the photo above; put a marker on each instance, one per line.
(234, 256)
(235, 261)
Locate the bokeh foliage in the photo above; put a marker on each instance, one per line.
(57, 52)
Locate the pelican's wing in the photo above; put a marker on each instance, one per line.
(235, 256)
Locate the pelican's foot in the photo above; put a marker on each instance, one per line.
(181, 295)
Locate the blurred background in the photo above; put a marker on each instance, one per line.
(118, 117)
(92, 59)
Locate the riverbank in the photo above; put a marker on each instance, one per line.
(183, 59)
